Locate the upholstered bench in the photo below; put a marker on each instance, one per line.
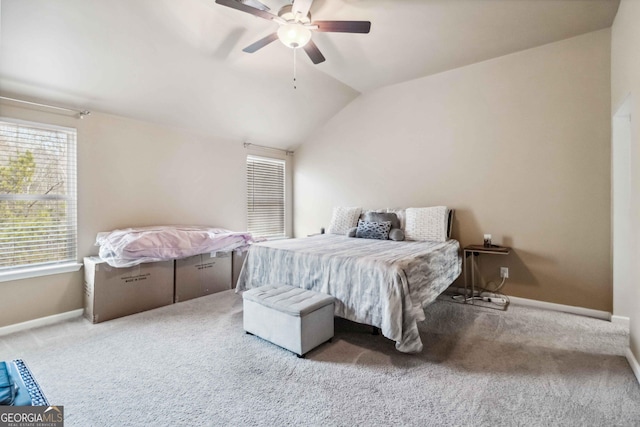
(293, 318)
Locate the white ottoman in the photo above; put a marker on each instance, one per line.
(294, 318)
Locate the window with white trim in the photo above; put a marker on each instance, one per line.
(266, 197)
(38, 221)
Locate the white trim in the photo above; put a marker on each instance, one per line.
(621, 320)
(635, 366)
(43, 321)
(623, 109)
(588, 312)
(26, 273)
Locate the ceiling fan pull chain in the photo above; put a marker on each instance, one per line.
(294, 68)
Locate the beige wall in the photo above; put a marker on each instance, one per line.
(132, 173)
(625, 82)
(518, 145)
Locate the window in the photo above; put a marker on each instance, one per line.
(265, 197)
(37, 195)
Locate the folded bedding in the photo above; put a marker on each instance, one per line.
(133, 246)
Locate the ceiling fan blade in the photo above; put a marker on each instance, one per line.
(301, 7)
(244, 8)
(313, 52)
(256, 4)
(343, 26)
(261, 43)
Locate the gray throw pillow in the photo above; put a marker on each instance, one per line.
(352, 232)
(381, 217)
(396, 232)
(373, 230)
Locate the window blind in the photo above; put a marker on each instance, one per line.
(265, 197)
(38, 219)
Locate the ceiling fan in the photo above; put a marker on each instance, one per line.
(295, 25)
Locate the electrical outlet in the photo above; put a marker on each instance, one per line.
(504, 272)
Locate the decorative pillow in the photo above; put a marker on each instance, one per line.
(396, 234)
(352, 232)
(368, 211)
(391, 217)
(371, 216)
(427, 223)
(401, 214)
(373, 230)
(343, 219)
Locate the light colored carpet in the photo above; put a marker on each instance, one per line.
(191, 364)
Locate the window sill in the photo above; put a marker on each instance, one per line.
(27, 273)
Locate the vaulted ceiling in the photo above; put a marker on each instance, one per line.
(180, 62)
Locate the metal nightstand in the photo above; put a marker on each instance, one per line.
(475, 251)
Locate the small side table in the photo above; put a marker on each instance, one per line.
(475, 251)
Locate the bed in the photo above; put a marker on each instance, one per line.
(382, 283)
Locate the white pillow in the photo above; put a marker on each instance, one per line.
(427, 224)
(343, 219)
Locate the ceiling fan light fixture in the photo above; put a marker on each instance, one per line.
(294, 35)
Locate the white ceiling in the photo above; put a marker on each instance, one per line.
(179, 62)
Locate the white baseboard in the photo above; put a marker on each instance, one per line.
(635, 366)
(621, 320)
(43, 321)
(588, 312)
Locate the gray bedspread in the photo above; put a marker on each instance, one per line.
(382, 283)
